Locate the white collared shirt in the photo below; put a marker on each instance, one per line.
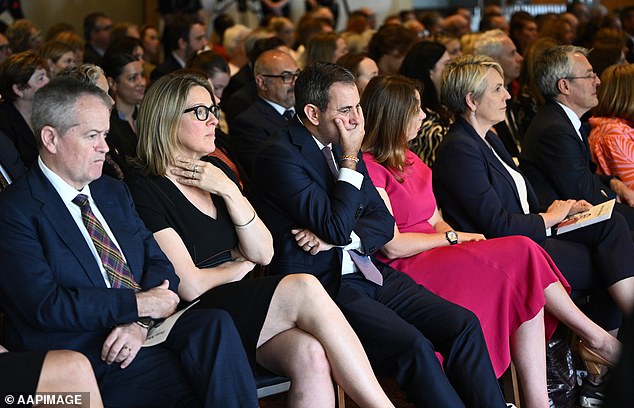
(178, 59)
(576, 122)
(278, 108)
(356, 179)
(67, 194)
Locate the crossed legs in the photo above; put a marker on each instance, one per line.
(302, 316)
(69, 371)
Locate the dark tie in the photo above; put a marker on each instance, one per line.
(117, 269)
(331, 161)
(288, 114)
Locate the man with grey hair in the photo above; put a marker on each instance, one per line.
(555, 155)
(499, 46)
(80, 271)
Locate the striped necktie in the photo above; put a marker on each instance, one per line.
(116, 268)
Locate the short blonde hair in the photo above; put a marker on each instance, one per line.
(616, 94)
(160, 114)
(466, 75)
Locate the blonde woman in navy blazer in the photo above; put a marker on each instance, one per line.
(474, 186)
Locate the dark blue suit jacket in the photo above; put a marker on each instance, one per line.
(252, 128)
(294, 188)
(475, 191)
(558, 162)
(50, 284)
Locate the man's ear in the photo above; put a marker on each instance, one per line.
(259, 82)
(563, 86)
(312, 113)
(472, 104)
(49, 138)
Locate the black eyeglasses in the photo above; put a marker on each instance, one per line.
(286, 77)
(593, 76)
(202, 111)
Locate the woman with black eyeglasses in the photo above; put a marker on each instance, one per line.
(214, 238)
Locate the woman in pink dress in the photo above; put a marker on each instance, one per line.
(510, 283)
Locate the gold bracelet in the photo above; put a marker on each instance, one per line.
(248, 224)
(351, 158)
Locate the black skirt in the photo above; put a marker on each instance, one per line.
(20, 372)
(247, 301)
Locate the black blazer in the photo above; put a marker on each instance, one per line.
(558, 162)
(20, 133)
(475, 191)
(294, 188)
(168, 65)
(252, 128)
(10, 159)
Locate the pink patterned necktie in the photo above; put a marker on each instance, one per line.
(116, 268)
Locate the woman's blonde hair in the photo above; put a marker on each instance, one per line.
(159, 118)
(466, 75)
(389, 103)
(616, 93)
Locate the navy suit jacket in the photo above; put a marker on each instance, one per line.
(475, 191)
(558, 162)
(294, 188)
(51, 287)
(252, 128)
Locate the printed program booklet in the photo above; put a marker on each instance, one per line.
(158, 334)
(598, 213)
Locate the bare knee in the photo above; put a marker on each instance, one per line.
(305, 286)
(310, 360)
(62, 367)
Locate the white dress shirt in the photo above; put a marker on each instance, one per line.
(67, 194)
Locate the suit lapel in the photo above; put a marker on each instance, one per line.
(310, 151)
(269, 112)
(55, 211)
(499, 167)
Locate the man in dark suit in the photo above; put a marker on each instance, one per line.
(183, 37)
(242, 90)
(313, 191)
(275, 74)
(97, 27)
(555, 156)
(80, 271)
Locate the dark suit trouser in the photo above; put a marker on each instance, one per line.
(593, 258)
(401, 325)
(628, 213)
(202, 363)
